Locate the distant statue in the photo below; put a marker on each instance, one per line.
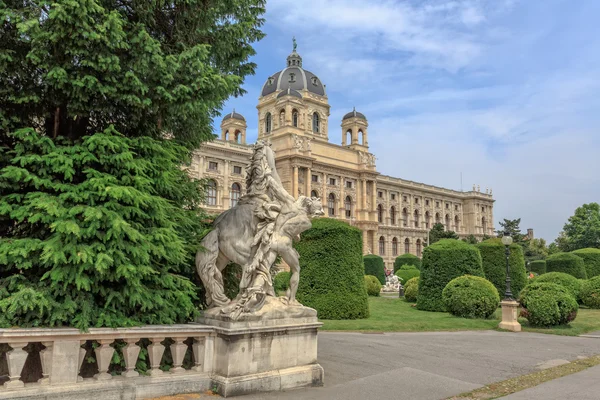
(294, 43)
(265, 223)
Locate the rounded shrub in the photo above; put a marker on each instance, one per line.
(538, 267)
(407, 259)
(548, 304)
(471, 297)
(443, 261)
(375, 266)
(568, 263)
(373, 285)
(572, 284)
(411, 289)
(281, 281)
(407, 272)
(332, 275)
(590, 292)
(591, 260)
(493, 258)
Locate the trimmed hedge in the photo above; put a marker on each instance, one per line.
(281, 281)
(493, 258)
(471, 297)
(331, 279)
(568, 263)
(375, 266)
(407, 272)
(572, 284)
(373, 285)
(591, 260)
(548, 304)
(411, 290)
(407, 259)
(538, 266)
(590, 293)
(443, 261)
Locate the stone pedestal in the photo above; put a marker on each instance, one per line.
(270, 350)
(509, 316)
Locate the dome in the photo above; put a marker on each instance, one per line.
(354, 114)
(290, 92)
(234, 115)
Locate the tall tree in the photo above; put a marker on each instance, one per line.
(511, 226)
(582, 229)
(536, 249)
(438, 232)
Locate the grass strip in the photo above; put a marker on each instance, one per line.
(510, 386)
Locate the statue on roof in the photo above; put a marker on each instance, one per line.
(294, 43)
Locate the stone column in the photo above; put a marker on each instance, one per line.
(325, 195)
(104, 354)
(308, 181)
(365, 240)
(295, 182)
(155, 353)
(178, 350)
(46, 359)
(373, 198)
(130, 354)
(226, 187)
(16, 360)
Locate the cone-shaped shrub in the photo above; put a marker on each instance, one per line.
(591, 260)
(407, 259)
(493, 258)
(374, 266)
(568, 263)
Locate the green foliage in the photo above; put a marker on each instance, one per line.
(548, 304)
(407, 272)
(572, 284)
(438, 232)
(582, 230)
(471, 239)
(568, 263)
(591, 260)
(375, 266)
(511, 226)
(411, 289)
(373, 285)
(590, 293)
(98, 232)
(538, 267)
(332, 270)
(536, 249)
(407, 259)
(471, 297)
(493, 257)
(442, 262)
(281, 281)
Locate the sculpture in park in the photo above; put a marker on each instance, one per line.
(265, 223)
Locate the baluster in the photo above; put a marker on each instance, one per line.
(178, 350)
(104, 354)
(198, 348)
(16, 360)
(130, 354)
(82, 353)
(46, 359)
(155, 352)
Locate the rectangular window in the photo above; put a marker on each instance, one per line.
(332, 181)
(393, 196)
(213, 166)
(455, 208)
(315, 178)
(404, 198)
(437, 203)
(349, 184)
(447, 206)
(426, 202)
(416, 200)
(482, 209)
(237, 170)
(380, 194)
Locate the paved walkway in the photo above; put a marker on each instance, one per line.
(430, 366)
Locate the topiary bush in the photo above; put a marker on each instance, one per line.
(538, 267)
(568, 263)
(411, 290)
(281, 281)
(373, 285)
(493, 258)
(590, 293)
(375, 266)
(407, 272)
(331, 280)
(591, 260)
(407, 259)
(548, 304)
(443, 261)
(572, 284)
(471, 297)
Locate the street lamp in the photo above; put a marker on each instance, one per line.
(507, 241)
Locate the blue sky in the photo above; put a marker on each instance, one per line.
(505, 91)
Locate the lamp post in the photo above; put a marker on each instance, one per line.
(509, 305)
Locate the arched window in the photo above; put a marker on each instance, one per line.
(281, 118)
(406, 246)
(404, 217)
(313, 193)
(447, 222)
(484, 225)
(349, 137)
(238, 136)
(268, 123)
(381, 246)
(394, 246)
(315, 123)
(226, 136)
(456, 223)
(427, 217)
(295, 118)
(362, 136)
(211, 193)
(418, 247)
(348, 206)
(236, 191)
(380, 214)
(437, 218)
(416, 218)
(393, 215)
(331, 204)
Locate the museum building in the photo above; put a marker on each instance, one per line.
(394, 214)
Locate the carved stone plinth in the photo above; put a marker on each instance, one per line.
(510, 316)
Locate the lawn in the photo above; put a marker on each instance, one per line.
(396, 315)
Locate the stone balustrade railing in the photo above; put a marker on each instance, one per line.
(62, 355)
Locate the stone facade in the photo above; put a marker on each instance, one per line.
(394, 214)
